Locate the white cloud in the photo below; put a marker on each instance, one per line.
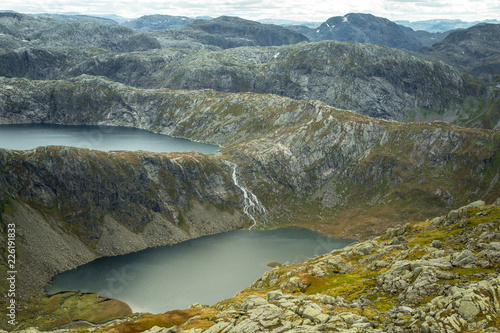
(312, 10)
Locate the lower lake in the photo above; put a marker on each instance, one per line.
(203, 270)
(29, 136)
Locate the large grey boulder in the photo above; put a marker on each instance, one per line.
(465, 259)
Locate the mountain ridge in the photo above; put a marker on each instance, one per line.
(363, 28)
(476, 50)
(373, 80)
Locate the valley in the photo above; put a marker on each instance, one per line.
(343, 137)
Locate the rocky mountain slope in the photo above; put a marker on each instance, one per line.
(372, 80)
(476, 50)
(363, 28)
(441, 275)
(229, 32)
(308, 163)
(19, 30)
(275, 112)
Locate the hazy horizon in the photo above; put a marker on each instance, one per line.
(294, 10)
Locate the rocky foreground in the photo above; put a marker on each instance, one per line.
(441, 275)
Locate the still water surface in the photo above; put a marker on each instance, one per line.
(204, 270)
(29, 136)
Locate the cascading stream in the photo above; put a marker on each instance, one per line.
(251, 204)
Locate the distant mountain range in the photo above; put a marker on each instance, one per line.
(441, 25)
(467, 49)
(158, 22)
(362, 28)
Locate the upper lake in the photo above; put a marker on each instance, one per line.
(204, 270)
(29, 136)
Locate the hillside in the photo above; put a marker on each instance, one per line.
(229, 32)
(345, 138)
(308, 164)
(372, 80)
(19, 30)
(476, 50)
(434, 276)
(439, 275)
(442, 25)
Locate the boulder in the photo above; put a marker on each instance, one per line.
(467, 308)
(437, 244)
(465, 259)
(274, 295)
(314, 313)
(267, 315)
(252, 302)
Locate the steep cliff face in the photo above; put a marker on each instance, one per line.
(92, 203)
(290, 147)
(372, 80)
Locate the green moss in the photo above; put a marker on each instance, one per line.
(50, 312)
(383, 303)
(469, 272)
(169, 182)
(6, 207)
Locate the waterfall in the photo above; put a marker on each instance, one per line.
(251, 204)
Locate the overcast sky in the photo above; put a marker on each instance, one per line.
(304, 10)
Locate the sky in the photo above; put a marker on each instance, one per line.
(301, 10)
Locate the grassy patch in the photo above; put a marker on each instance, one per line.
(147, 321)
(472, 271)
(349, 286)
(66, 308)
(382, 303)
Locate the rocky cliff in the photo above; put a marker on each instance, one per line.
(92, 203)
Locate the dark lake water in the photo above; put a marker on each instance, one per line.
(204, 270)
(29, 136)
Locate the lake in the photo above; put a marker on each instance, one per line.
(204, 270)
(29, 136)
